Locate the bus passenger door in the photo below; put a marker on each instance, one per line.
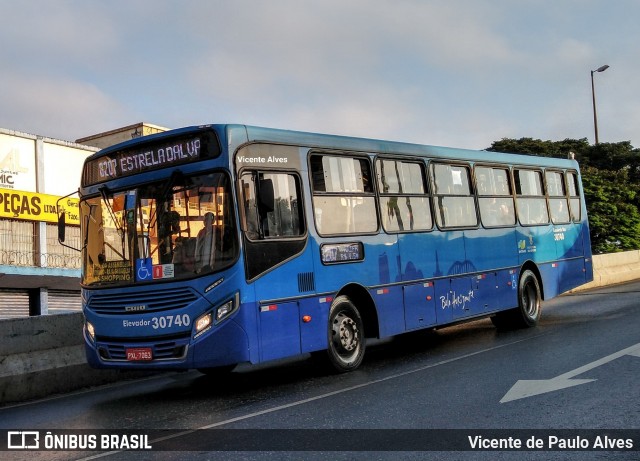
(276, 256)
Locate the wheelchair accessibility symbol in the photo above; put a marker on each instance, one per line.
(144, 269)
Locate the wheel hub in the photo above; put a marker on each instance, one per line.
(345, 333)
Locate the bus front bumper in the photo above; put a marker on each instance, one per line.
(225, 345)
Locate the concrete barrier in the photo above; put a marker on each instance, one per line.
(613, 268)
(42, 356)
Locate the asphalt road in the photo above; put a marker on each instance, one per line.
(578, 370)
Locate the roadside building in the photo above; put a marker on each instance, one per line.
(38, 275)
(126, 133)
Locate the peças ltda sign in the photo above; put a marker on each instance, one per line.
(31, 206)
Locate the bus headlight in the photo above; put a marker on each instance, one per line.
(91, 332)
(224, 311)
(206, 321)
(228, 308)
(203, 323)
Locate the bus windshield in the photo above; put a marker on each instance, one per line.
(173, 229)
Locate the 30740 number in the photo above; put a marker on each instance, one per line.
(167, 321)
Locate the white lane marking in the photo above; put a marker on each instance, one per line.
(318, 397)
(530, 387)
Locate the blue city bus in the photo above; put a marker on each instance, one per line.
(210, 246)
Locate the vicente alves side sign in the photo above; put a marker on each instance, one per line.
(31, 206)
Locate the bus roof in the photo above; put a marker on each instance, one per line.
(236, 135)
(325, 141)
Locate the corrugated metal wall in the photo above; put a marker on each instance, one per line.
(15, 303)
(64, 301)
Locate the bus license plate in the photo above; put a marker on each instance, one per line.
(139, 354)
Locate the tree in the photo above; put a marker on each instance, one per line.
(611, 182)
(530, 146)
(612, 205)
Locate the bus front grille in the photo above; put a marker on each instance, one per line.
(134, 303)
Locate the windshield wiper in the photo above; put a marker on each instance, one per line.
(105, 199)
(119, 227)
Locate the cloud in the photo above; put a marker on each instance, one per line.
(443, 71)
(57, 107)
(359, 68)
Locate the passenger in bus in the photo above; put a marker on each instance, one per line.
(498, 213)
(168, 226)
(560, 213)
(505, 215)
(539, 213)
(490, 212)
(205, 245)
(184, 254)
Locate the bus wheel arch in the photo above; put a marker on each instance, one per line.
(530, 295)
(531, 266)
(352, 318)
(363, 301)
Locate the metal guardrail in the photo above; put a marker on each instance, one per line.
(35, 259)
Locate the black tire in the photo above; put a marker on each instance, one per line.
(527, 314)
(529, 299)
(346, 340)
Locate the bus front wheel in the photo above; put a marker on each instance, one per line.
(527, 314)
(345, 335)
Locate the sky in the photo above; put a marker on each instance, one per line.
(460, 73)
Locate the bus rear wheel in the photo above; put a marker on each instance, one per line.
(529, 299)
(345, 335)
(527, 314)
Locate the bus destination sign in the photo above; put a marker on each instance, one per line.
(332, 253)
(148, 157)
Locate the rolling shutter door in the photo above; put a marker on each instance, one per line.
(14, 303)
(64, 301)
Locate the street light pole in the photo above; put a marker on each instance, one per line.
(593, 97)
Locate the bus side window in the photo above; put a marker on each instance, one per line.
(556, 190)
(574, 195)
(343, 196)
(271, 205)
(454, 202)
(404, 202)
(530, 200)
(494, 197)
(250, 205)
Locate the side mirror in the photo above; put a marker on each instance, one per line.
(62, 225)
(62, 222)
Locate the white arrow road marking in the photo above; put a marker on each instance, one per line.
(529, 387)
